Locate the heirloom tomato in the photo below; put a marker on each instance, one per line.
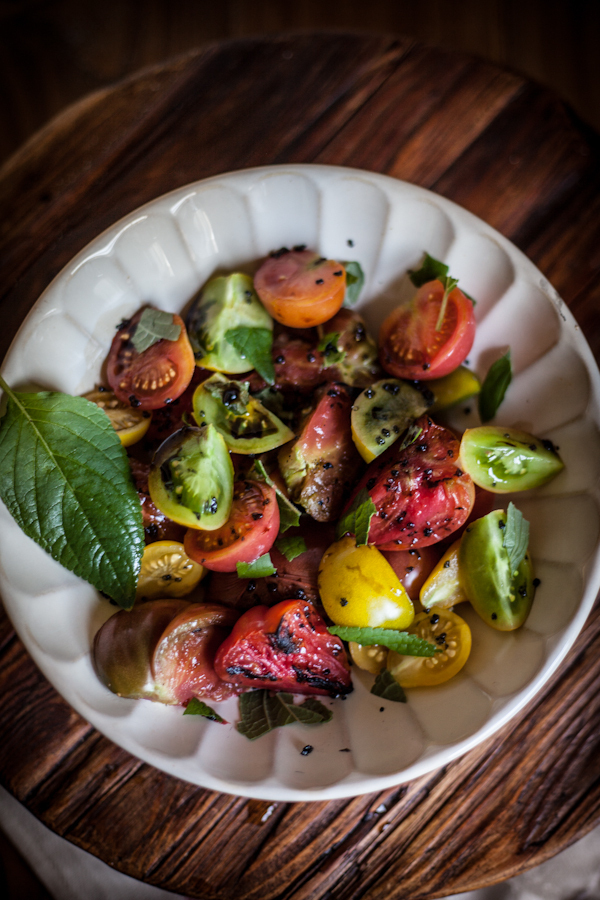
(154, 377)
(300, 288)
(359, 588)
(420, 494)
(447, 631)
(415, 345)
(286, 647)
(250, 530)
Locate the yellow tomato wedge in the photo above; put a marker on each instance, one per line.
(454, 388)
(358, 587)
(167, 571)
(130, 424)
(372, 658)
(443, 587)
(450, 633)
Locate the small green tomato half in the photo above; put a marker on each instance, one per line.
(226, 302)
(500, 595)
(358, 587)
(503, 460)
(245, 424)
(191, 480)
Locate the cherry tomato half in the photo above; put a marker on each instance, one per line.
(155, 377)
(411, 347)
(299, 288)
(420, 495)
(250, 530)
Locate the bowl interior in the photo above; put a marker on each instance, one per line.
(161, 254)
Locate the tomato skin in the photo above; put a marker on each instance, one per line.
(410, 346)
(124, 645)
(322, 464)
(413, 567)
(299, 288)
(420, 494)
(359, 588)
(250, 530)
(155, 377)
(286, 647)
(183, 660)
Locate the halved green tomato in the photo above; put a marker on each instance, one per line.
(167, 571)
(501, 596)
(222, 304)
(382, 413)
(450, 633)
(245, 424)
(191, 480)
(454, 388)
(443, 587)
(130, 424)
(502, 460)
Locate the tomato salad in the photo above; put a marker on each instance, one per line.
(299, 486)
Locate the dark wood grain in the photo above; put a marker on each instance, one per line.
(513, 154)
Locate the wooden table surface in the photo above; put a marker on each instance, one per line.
(511, 153)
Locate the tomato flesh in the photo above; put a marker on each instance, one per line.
(411, 347)
(250, 530)
(299, 288)
(420, 495)
(285, 648)
(155, 377)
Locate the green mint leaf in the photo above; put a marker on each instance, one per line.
(449, 285)
(261, 711)
(65, 479)
(155, 325)
(410, 436)
(431, 270)
(494, 387)
(291, 546)
(257, 569)
(355, 280)
(329, 348)
(358, 518)
(197, 707)
(400, 641)
(388, 688)
(289, 515)
(255, 345)
(516, 536)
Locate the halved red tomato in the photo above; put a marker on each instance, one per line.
(420, 494)
(250, 530)
(416, 346)
(299, 288)
(155, 377)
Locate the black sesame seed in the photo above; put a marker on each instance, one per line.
(494, 616)
(280, 359)
(327, 465)
(447, 564)
(306, 750)
(434, 619)
(320, 281)
(343, 601)
(536, 582)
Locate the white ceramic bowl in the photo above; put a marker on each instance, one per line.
(162, 253)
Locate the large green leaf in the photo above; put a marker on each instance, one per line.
(65, 478)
